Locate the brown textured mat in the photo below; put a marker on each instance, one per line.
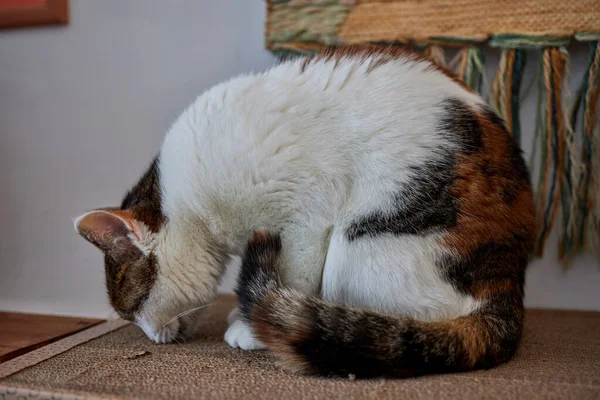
(559, 359)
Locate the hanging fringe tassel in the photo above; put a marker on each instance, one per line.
(506, 89)
(471, 68)
(584, 224)
(593, 226)
(553, 144)
(569, 194)
(436, 54)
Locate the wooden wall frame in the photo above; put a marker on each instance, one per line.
(27, 13)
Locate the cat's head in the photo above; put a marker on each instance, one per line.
(156, 270)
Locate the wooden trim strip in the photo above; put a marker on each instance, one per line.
(14, 393)
(44, 353)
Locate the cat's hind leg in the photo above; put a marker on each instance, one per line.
(303, 256)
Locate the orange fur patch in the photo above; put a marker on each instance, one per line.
(482, 291)
(471, 334)
(281, 343)
(484, 214)
(260, 236)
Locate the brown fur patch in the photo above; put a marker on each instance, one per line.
(143, 201)
(260, 237)
(471, 335)
(129, 281)
(484, 290)
(494, 203)
(130, 276)
(150, 218)
(278, 340)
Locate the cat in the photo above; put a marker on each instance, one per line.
(389, 212)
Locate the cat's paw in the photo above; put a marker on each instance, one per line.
(239, 335)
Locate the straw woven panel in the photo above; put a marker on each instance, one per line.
(360, 21)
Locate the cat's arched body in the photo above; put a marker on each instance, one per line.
(392, 186)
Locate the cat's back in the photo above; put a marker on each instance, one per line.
(354, 93)
(365, 122)
(347, 93)
(386, 103)
(363, 76)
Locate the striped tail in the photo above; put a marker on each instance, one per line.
(312, 336)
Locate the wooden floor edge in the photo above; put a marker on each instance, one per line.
(24, 393)
(60, 346)
(18, 351)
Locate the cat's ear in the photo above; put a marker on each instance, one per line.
(115, 232)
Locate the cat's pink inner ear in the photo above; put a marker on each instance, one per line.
(137, 228)
(107, 229)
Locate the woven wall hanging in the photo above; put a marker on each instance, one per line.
(567, 138)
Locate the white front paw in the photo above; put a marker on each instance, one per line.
(240, 335)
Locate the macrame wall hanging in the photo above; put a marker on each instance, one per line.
(567, 138)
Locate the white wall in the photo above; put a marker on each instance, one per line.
(83, 108)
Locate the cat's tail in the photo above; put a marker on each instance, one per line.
(312, 336)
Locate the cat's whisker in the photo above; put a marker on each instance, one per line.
(175, 339)
(184, 313)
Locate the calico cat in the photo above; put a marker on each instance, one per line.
(395, 211)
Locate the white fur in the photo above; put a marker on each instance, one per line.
(188, 276)
(393, 275)
(304, 153)
(165, 334)
(239, 335)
